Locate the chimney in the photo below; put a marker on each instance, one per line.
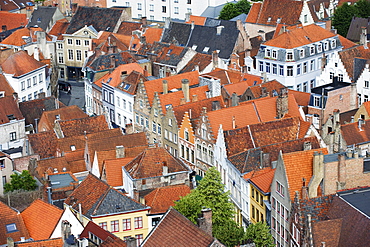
(215, 59)
(349, 153)
(233, 122)
(194, 98)
(283, 28)
(352, 119)
(353, 97)
(341, 171)
(98, 52)
(120, 152)
(196, 67)
(355, 154)
(131, 242)
(144, 22)
(216, 105)
(282, 103)
(165, 86)
(112, 49)
(363, 37)
(182, 101)
(304, 189)
(36, 54)
(192, 25)
(113, 61)
(263, 92)
(4, 28)
(143, 39)
(74, 8)
(41, 95)
(167, 22)
(307, 146)
(165, 168)
(185, 89)
(49, 195)
(10, 242)
(219, 29)
(187, 16)
(205, 221)
(80, 212)
(234, 99)
(360, 122)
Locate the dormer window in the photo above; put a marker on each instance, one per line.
(333, 43)
(289, 55)
(274, 54)
(326, 46)
(73, 147)
(301, 53)
(206, 49)
(268, 53)
(319, 48)
(278, 20)
(194, 47)
(312, 50)
(269, 19)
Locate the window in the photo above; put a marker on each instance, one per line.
(274, 69)
(366, 98)
(60, 46)
(274, 54)
(164, 9)
(151, 17)
(60, 57)
(147, 123)
(305, 67)
(103, 225)
(78, 55)
(28, 82)
(305, 84)
(170, 122)
(253, 213)
(279, 189)
(289, 56)
(301, 53)
(252, 192)
(35, 95)
(23, 85)
(319, 48)
(70, 54)
(176, 1)
(331, 75)
(151, 7)
(85, 53)
(188, 10)
(186, 134)
(340, 77)
(139, 239)
(312, 50)
(78, 42)
(273, 202)
(69, 41)
(130, 106)
(267, 67)
(366, 84)
(139, 6)
(138, 222)
(13, 136)
(188, 1)
(86, 42)
(154, 127)
(281, 70)
(305, 19)
(298, 69)
(312, 65)
(114, 226)
(268, 53)
(316, 101)
(124, 103)
(299, 87)
(159, 129)
(326, 46)
(24, 99)
(11, 228)
(312, 83)
(289, 71)
(333, 43)
(176, 11)
(126, 224)
(261, 66)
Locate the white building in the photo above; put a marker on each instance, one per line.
(159, 10)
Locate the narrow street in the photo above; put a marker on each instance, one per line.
(77, 96)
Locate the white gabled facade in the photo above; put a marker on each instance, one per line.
(159, 10)
(362, 83)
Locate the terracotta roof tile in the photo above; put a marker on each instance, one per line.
(109, 242)
(40, 219)
(9, 110)
(86, 125)
(161, 199)
(116, 75)
(59, 28)
(12, 20)
(113, 170)
(238, 88)
(11, 216)
(38, 140)
(20, 63)
(97, 231)
(48, 166)
(174, 82)
(352, 134)
(229, 76)
(270, 11)
(126, 27)
(105, 39)
(299, 166)
(302, 98)
(198, 20)
(150, 164)
(270, 87)
(199, 62)
(16, 37)
(176, 228)
(152, 35)
(347, 56)
(327, 231)
(8, 6)
(54, 242)
(263, 179)
(65, 113)
(300, 36)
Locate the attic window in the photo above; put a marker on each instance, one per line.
(110, 78)
(107, 29)
(206, 49)
(194, 47)
(133, 46)
(169, 52)
(73, 147)
(127, 86)
(269, 19)
(278, 20)
(11, 117)
(333, 43)
(39, 20)
(11, 228)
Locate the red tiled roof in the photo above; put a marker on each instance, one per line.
(327, 231)
(41, 219)
(97, 231)
(269, 86)
(16, 38)
(299, 166)
(54, 242)
(152, 35)
(126, 28)
(176, 228)
(263, 179)
(270, 11)
(302, 98)
(43, 143)
(161, 199)
(9, 110)
(10, 216)
(109, 242)
(300, 36)
(198, 20)
(20, 63)
(238, 88)
(116, 75)
(105, 39)
(230, 76)
(59, 28)
(199, 61)
(346, 43)
(12, 20)
(84, 125)
(347, 56)
(352, 134)
(150, 164)
(113, 170)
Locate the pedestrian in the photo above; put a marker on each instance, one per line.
(69, 89)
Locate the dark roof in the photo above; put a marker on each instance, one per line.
(42, 17)
(355, 28)
(358, 198)
(102, 19)
(330, 87)
(97, 231)
(204, 36)
(33, 109)
(104, 62)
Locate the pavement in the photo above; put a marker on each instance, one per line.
(77, 96)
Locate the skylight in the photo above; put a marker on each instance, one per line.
(206, 49)
(11, 228)
(127, 86)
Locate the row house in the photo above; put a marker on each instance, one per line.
(296, 57)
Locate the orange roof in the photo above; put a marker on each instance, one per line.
(41, 219)
(161, 199)
(16, 38)
(20, 63)
(104, 39)
(254, 12)
(198, 20)
(346, 43)
(262, 179)
(238, 88)
(65, 113)
(54, 242)
(302, 98)
(231, 76)
(299, 166)
(113, 170)
(300, 36)
(12, 20)
(115, 76)
(174, 82)
(153, 34)
(59, 28)
(8, 107)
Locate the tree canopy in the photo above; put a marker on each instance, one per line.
(259, 234)
(23, 181)
(343, 15)
(231, 10)
(210, 194)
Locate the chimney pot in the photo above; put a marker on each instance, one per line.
(165, 86)
(185, 88)
(205, 221)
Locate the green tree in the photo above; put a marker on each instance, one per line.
(259, 234)
(210, 194)
(231, 10)
(363, 8)
(342, 18)
(23, 181)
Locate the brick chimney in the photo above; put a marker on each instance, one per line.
(205, 221)
(165, 86)
(282, 107)
(185, 88)
(144, 21)
(194, 98)
(216, 105)
(113, 61)
(215, 59)
(165, 168)
(120, 152)
(131, 242)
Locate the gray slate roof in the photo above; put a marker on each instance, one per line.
(358, 198)
(355, 28)
(42, 17)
